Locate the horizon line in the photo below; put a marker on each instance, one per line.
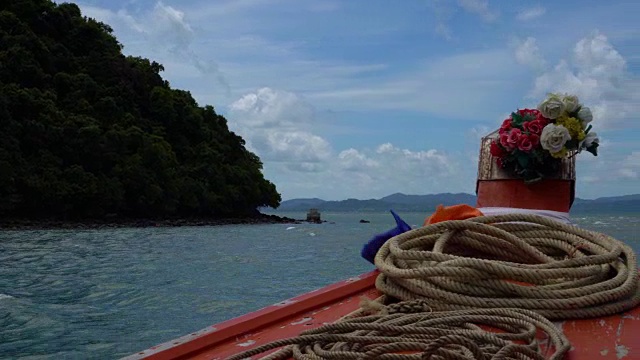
(443, 193)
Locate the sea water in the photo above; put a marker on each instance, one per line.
(104, 294)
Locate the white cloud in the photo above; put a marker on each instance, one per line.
(290, 146)
(444, 31)
(444, 10)
(476, 133)
(628, 173)
(168, 25)
(164, 29)
(432, 163)
(353, 160)
(367, 173)
(633, 160)
(116, 19)
(162, 25)
(279, 127)
(270, 108)
(226, 8)
(440, 86)
(275, 125)
(527, 53)
(479, 7)
(417, 172)
(630, 166)
(531, 13)
(613, 172)
(598, 74)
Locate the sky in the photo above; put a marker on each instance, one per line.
(366, 98)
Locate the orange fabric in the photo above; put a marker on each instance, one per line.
(454, 212)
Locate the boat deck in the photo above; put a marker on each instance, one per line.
(611, 338)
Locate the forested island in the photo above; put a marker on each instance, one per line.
(88, 134)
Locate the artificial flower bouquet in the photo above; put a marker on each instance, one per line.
(532, 142)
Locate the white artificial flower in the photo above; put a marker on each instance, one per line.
(554, 137)
(589, 140)
(551, 107)
(571, 103)
(585, 116)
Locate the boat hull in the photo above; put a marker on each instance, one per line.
(607, 338)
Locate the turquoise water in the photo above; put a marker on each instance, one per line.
(104, 294)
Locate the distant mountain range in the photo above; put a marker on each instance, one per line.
(403, 202)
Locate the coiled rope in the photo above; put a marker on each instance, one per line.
(511, 261)
(424, 335)
(510, 272)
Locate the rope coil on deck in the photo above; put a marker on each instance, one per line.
(424, 335)
(511, 273)
(511, 261)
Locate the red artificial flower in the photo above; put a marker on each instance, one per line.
(497, 150)
(504, 141)
(506, 126)
(543, 120)
(514, 137)
(529, 112)
(525, 144)
(499, 162)
(535, 140)
(534, 126)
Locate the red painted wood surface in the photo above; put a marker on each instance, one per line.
(555, 195)
(282, 320)
(612, 338)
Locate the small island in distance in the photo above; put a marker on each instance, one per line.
(426, 203)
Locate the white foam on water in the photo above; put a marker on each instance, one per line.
(5, 296)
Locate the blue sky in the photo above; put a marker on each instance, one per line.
(362, 99)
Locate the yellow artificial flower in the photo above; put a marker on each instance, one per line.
(560, 154)
(573, 125)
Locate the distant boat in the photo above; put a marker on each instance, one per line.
(313, 216)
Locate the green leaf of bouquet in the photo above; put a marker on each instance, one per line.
(593, 149)
(537, 155)
(523, 160)
(517, 119)
(572, 144)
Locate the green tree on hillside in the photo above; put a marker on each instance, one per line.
(86, 131)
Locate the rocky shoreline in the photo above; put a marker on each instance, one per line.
(48, 224)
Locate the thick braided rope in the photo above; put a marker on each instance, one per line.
(511, 261)
(424, 335)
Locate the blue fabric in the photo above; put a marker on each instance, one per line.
(370, 249)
